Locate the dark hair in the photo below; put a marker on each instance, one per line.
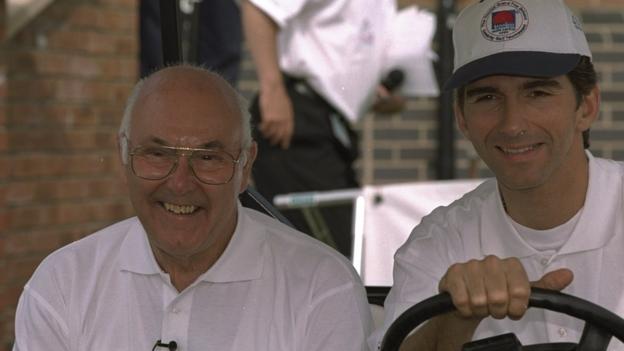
(583, 78)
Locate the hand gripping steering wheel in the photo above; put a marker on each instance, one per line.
(600, 324)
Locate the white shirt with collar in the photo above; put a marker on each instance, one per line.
(337, 46)
(272, 289)
(476, 226)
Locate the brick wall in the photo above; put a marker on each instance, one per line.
(6, 303)
(68, 73)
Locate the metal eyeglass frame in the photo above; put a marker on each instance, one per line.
(187, 152)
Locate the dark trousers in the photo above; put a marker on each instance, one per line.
(315, 161)
(219, 37)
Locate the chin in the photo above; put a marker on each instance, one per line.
(516, 183)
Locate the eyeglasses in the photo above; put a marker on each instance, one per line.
(209, 166)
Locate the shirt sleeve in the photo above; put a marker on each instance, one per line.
(38, 326)
(338, 320)
(280, 11)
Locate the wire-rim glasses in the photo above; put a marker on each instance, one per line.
(210, 166)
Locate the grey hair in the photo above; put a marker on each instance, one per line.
(242, 105)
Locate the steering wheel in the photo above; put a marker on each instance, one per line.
(600, 324)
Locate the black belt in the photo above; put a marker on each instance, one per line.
(300, 86)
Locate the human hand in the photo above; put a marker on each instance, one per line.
(496, 287)
(386, 102)
(277, 124)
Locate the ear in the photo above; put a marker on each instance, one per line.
(252, 152)
(122, 152)
(589, 109)
(122, 148)
(461, 120)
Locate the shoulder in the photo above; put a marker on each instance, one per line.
(461, 211)
(607, 165)
(313, 274)
(448, 232)
(84, 256)
(288, 245)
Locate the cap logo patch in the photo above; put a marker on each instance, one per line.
(506, 20)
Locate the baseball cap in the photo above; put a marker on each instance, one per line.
(537, 38)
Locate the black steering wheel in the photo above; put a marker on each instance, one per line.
(600, 324)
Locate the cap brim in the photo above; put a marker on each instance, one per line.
(514, 63)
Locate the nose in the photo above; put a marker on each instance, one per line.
(513, 118)
(182, 179)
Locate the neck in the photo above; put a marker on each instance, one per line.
(185, 269)
(551, 204)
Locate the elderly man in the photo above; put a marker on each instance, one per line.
(194, 270)
(526, 98)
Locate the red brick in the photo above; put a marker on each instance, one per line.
(28, 244)
(4, 221)
(119, 4)
(4, 168)
(118, 67)
(34, 89)
(68, 64)
(10, 294)
(55, 115)
(3, 84)
(59, 140)
(4, 139)
(72, 90)
(65, 214)
(120, 45)
(19, 270)
(50, 191)
(4, 190)
(102, 18)
(3, 114)
(53, 165)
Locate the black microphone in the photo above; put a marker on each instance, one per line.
(171, 345)
(393, 79)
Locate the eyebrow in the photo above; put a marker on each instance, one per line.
(539, 83)
(480, 90)
(215, 144)
(542, 83)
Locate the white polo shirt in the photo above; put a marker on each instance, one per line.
(272, 289)
(337, 46)
(476, 226)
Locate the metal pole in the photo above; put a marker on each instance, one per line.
(169, 32)
(445, 167)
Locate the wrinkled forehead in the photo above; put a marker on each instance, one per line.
(184, 107)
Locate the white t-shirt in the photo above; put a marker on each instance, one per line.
(272, 289)
(476, 226)
(337, 46)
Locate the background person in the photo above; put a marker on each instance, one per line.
(194, 267)
(219, 37)
(319, 65)
(526, 98)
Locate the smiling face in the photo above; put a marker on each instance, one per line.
(527, 130)
(182, 216)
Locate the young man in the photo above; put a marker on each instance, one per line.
(194, 267)
(552, 217)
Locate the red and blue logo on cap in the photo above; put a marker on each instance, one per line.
(504, 21)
